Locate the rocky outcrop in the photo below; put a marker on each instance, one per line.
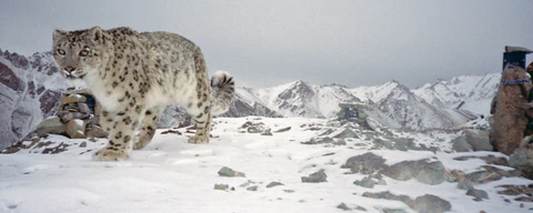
(30, 90)
(510, 119)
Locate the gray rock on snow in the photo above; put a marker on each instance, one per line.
(316, 177)
(252, 188)
(461, 145)
(431, 173)
(464, 184)
(52, 125)
(522, 159)
(221, 186)
(430, 204)
(228, 172)
(367, 163)
(273, 184)
(479, 140)
(478, 194)
(344, 207)
(366, 182)
(387, 210)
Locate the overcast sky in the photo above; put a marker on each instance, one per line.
(266, 43)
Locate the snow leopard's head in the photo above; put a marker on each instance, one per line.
(79, 52)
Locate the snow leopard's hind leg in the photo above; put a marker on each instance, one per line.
(149, 126)
(200, 112)
(199, 106)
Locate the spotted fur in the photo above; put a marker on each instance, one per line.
(135, 75)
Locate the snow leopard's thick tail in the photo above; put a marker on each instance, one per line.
(224, 90)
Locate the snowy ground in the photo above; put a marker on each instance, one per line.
(170, 175)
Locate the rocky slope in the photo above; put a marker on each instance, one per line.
(30, 88)
(282, 165)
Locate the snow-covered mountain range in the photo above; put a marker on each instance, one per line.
(440, 104)
(30, 89)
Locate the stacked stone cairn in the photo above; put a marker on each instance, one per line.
(76, 117)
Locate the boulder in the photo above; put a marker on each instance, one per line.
(430, 204)
(461, 145)
(478, 194)
(316, 177)
(228, 172)
(73, 98)
(76, 128)
(367, 163)
(479, 140)
(431, 173)
(509, 113)
(273, 184)
(366, 182)
(51, 125)
(522, 159)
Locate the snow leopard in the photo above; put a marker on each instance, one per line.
(134, 76)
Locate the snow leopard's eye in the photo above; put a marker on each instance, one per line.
(60, 51)
(84, 53)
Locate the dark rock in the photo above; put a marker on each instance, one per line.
(482, 177)
(83, 144)
(515, 190)
(490, 174)
(430, 204)
(388, 196)
(344, 207)
(524, 199)
(57, 149)
(320, 140)
(273, 184)
(316, 177)
(431, 173)
(227, 172)
(404, 170)
(366, 182)
(478, 194)
(252, 188)
(522, 159)
(461, 145)
(367, 163)
(221, 186)
(283, 129)
(346, 133)
(464, 184)
(386, 210)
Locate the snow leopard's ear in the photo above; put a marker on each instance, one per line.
(58, 34)
(96, 33)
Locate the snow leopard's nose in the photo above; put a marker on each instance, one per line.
(70, 69)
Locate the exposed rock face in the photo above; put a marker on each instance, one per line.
(30, 90)
(510, 119)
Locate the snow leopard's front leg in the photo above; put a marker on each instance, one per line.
(121, 136)
(106, 120)
(149, 125)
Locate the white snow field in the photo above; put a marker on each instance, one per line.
(171, 175)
